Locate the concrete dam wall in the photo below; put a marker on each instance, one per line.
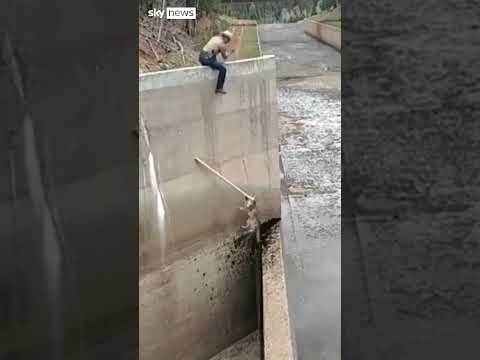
(197, 284)
(328, 34)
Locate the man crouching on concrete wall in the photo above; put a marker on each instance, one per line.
(208, 56)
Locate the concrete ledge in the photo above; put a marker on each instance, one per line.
(330, 35)
(189, 75)
(278, 335)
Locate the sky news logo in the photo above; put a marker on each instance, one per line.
(174, 13)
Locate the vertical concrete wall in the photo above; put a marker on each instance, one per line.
(68, 269)
(197, 289)
(328, 34)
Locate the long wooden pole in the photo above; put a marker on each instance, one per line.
(224, 178)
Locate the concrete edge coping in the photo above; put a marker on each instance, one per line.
(153, 73)
(183, 76)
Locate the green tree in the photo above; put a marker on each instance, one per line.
(208, 6)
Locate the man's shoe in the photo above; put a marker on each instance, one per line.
(220, 91)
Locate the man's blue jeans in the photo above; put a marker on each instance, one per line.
(211, 61)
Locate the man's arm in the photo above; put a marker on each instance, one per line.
(223, 51)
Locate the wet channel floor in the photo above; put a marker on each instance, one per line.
(244, 349)
(310, 146)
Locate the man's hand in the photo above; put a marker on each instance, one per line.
(223, 51)
(231, 52)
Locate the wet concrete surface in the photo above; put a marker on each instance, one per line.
(245, 349)
(310, 145)
(298, 55)
(404, 138)
(278, 339)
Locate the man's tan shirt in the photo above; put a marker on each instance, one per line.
(215, 45)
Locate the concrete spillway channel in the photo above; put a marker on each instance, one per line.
(309, 104)
(197, 270)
